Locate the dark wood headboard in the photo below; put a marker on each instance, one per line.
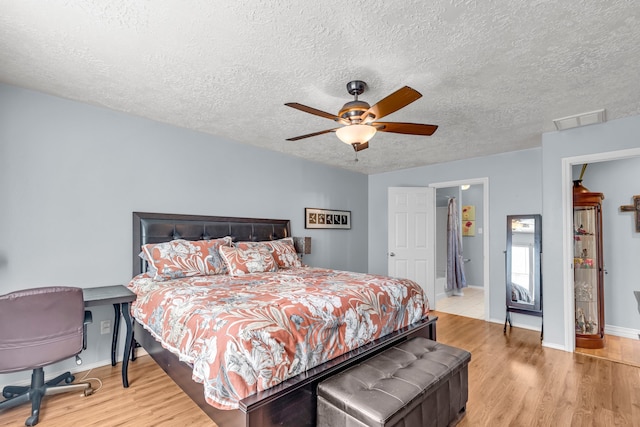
(157, 228)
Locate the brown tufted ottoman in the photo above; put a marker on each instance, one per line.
(417, 383)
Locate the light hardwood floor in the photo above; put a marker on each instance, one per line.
(513, 381)
(618, 349)
(152, 399)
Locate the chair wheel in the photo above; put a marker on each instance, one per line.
(31, 421)
(7, 395)
(69, 379)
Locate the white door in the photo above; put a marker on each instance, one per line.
(411, 236)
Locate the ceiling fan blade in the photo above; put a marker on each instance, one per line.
(406, 128)
(311, 134)
(360, 146)
(316, 112)
(398, 99)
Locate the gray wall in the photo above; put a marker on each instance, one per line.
(514, 188)
(602, 138)
(71, 174)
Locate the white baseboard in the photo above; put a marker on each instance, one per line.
(619, 331)
(554, 346)
(48, 374)
(516, 325)
(74, 370)
(608, 330)
(531, 328)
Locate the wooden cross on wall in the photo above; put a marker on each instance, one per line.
(635, 207)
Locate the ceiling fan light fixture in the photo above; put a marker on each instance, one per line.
(359, 120)
(355, 134)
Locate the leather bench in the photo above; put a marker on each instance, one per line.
(419, 382)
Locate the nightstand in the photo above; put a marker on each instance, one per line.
(121, 298)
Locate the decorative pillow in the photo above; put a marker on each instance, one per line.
(184, 258)
(256, 258)
(151, 270)
(283, 251)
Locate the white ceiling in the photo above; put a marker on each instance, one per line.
(493, 73)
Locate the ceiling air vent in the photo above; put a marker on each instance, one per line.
(582, 119)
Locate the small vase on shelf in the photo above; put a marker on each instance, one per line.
(578, 187)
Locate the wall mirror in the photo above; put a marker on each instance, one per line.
(523, 265)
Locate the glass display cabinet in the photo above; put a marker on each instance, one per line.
(588, 267)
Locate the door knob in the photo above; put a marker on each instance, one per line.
(392, 254)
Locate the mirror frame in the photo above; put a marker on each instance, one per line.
(535, 308)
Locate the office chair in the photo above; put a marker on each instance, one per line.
(39, 327)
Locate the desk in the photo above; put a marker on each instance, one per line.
(120, 297)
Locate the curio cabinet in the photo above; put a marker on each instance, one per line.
(588, 267)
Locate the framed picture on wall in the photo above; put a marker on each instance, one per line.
(327, 218)
(469, 213)
(468, 228)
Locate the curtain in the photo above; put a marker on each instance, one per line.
(455, 268)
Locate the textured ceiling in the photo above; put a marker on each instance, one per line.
(493, 73)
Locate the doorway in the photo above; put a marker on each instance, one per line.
(475, 299)
(617, 337)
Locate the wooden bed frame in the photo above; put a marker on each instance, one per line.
(291, 403)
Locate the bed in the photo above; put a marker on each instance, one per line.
(274, 397)
(520, 294)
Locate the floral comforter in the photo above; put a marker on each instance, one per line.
(247, 334)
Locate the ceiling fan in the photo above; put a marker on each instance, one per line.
(360, 119)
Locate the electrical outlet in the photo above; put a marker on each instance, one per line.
(105, 327)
